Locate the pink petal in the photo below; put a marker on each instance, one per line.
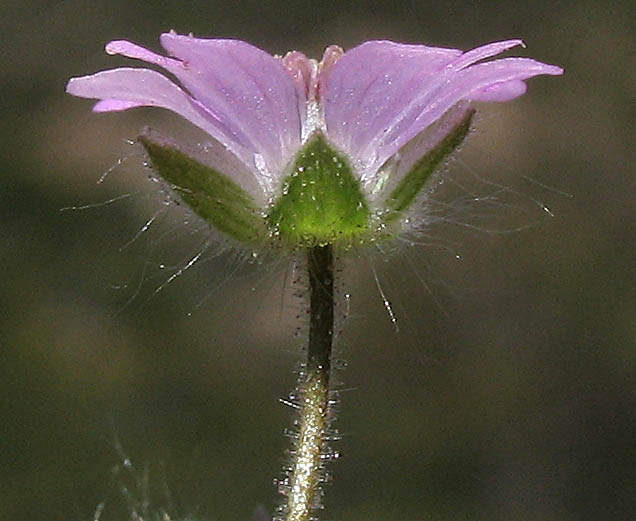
(466, 84)
(504, 91)
(124, 88)
(485, 51)
(370, 83)
(132, 50)
(329, 58)
(112, 105)
(303, 72)
(380, 95)
(426, 141)
(247, 87)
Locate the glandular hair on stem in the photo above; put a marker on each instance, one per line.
(302, 483)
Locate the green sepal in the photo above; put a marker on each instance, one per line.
(210, 194)
(321, 201)
(405, 193)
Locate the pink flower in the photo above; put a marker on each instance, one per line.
(371, 104)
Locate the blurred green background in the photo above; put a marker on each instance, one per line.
(509, 391)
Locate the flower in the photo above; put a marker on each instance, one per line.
(334, 151)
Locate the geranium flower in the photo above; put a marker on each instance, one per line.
(309, 152)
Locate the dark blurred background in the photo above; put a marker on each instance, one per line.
(509, 391)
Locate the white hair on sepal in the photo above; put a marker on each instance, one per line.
(172, 240)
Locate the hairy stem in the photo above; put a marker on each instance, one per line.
(310, 449)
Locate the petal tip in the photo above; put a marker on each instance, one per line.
(69, 86)
(115, 105)
(514, 42)
(503, 91)
(171, 35)
(73, 86)
(116, 46)
(552, 70)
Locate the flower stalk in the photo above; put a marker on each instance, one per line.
(310, 451)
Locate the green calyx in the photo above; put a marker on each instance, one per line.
(321, 201)
(210, 194)
(412, 184)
